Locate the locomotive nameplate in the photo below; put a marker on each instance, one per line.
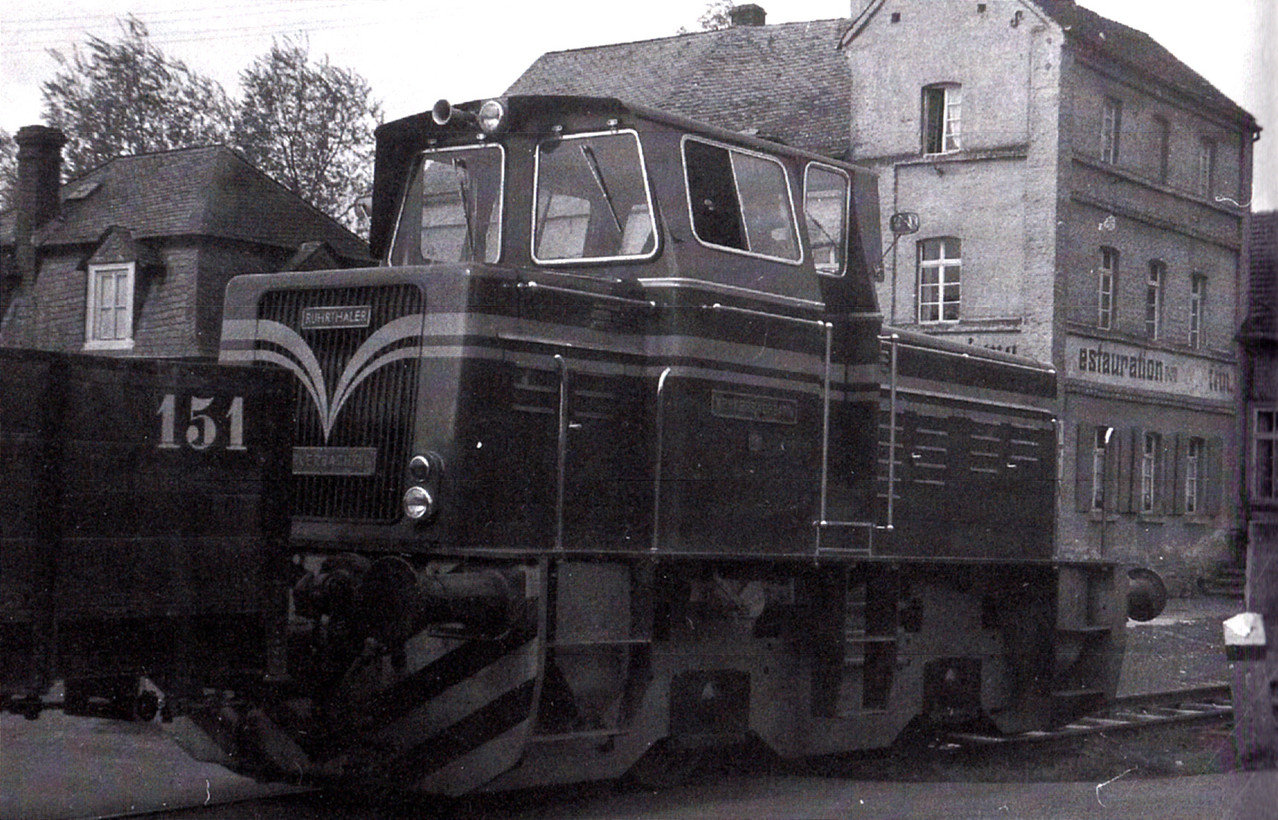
(336, 318)
(749, 407)
(334, 460)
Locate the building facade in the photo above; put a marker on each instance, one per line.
(132, 258)
(1260, 415)
(1078, 190)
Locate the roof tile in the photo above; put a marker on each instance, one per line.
(787, 82)
(207, 191)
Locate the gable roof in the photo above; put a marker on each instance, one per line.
(207, 191)
(1139, 52)
(785, 82)
(1088, 32)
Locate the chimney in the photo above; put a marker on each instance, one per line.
(38, 196)
(747, 15)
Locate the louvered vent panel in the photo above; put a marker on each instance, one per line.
(378, 414)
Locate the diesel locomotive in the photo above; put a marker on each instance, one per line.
(612, 456)
(609, 459)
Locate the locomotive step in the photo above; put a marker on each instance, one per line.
(601, 642)
(1085, 629)
(1071, 694)
(584, 734)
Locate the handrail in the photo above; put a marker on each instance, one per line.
(562, 451)
(607, 297)
(717, 306)
(825, 427)
(656, 480)
(891, 488)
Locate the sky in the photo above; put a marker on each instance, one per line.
(414, 52)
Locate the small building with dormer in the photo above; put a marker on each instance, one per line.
(132, 258)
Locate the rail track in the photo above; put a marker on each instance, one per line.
(1126, 713)
(1200, 705)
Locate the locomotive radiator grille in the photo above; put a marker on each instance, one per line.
(372, 427)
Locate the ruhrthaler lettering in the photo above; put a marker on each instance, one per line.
(331, 318)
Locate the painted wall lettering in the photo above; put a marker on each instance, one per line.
(1150, 369)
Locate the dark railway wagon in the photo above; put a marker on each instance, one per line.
(144, 525)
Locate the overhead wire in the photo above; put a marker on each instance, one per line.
(188, 28)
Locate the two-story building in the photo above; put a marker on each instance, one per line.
(132, 258)
(1078, 190)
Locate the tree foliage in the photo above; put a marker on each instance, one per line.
(8, 169)
(307, 124)
(717, 15)
(310, 126)
(128, 97)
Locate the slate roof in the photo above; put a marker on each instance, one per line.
(786, 81)
(1138, 51)
(208, 192)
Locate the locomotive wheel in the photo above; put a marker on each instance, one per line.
(664, 766)
(75, 699)
(29, 708)
(146, 706)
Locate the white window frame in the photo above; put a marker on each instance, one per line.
(1154, 298)
(942, 265)
(1264, 444)
(1197, 305)
(1206, 166)
(493, 239)
(1111, 130)
(1099, 450)
(1106, 279)
(124, 280)
(948, 131)
(1149, 467)
(1195, 457)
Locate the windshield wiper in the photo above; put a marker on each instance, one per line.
(589, 154)
(813, 221)
(463, 189)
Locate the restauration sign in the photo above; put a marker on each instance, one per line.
(1147, 369)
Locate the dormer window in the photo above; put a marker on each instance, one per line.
(109, 317)
(942, 116)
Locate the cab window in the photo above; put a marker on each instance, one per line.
(740, 201)
(593, 201)
(452, 208)
(825, 211)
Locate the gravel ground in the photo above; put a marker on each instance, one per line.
(1183, 647)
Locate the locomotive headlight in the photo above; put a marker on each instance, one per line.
(420, 468)
(492, 116)
(418, 504)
